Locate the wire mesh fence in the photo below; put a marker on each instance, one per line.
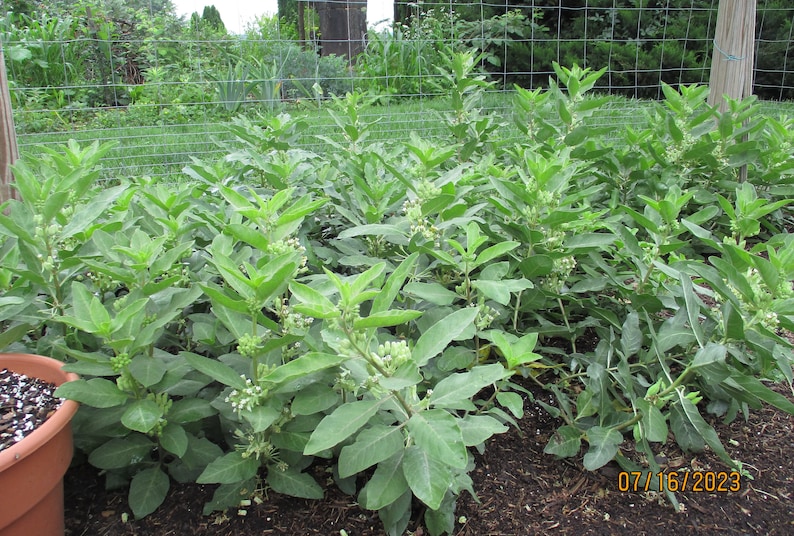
(164, 85)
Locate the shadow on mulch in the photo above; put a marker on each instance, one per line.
(521, 490)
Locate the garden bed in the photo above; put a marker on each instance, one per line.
(521, 490)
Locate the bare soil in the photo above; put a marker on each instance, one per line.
(521, 491)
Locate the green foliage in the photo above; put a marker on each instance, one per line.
(380, 310)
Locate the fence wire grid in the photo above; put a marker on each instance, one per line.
(164, 86)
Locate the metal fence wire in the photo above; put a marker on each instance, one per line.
(164, 84)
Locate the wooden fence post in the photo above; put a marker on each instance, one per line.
(8, 136)
(734, 52)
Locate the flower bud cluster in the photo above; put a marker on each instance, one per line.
(420, 224)
(256, 445)
(120, 361)
(280, 247)
(248, 345)
(247, 398)
(165, 403)
(391, 355)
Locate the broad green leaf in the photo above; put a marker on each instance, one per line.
(460, 387)
(142, 415)
(315, 398)
(511, 401)
(432, 292)
(376, 229)
(653, 423)
(384, 319)
(147, 491)
(315, 304)
(589, 240)
(341, 424)
(427, 477)
(439, 335)
(190, 410)
(686, 435)
(386, 485)
(122, 452)
(406, 376)
(229, 495)
(230, 468)
(373, 445)
(499, 291)
(174, 439)
(96, 392)
(293, 483)
(260, 417)
(692, 309)
(564, 442)
(216, 370)
(493, 252)
(436, 432)
(147, 370)
(709, 363)
(631, 335)
(604, 444)
(757, 389)
(703, 428)
(391, 287)
(476, 429)
(303, 366)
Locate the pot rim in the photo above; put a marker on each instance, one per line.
(21, 364)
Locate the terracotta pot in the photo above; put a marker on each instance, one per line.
(31, 471)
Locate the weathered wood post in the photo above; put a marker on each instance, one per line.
(8, 136)
(733, 58)
(343, 27)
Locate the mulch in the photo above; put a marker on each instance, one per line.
(521, 491)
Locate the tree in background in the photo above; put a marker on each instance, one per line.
(212, 18)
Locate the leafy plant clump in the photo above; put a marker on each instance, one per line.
(375, 313)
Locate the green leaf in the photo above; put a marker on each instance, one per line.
(439, 335)
(604, 444)
(188, 410)
(757, 389)
(476, 429)
(511, 401)
(692, 309)
(427, 477)
(437, 433)
(293, 483)
(456, 390)
(313, 399)
(142, 415)
(174, 439)
(260, 417)
(589, 240)
(431, 292)
(147, 491)
(230, 468)
(499, 291)
(385, 319)
(494, 252)
(709, 362)
(314, 303)
(373, 445)
(216, 370)
(96, 392)
(341, 424)
(391, 288)
(303, 366)
(653, 423)
(705, 431)
(386, 485)
(122, 452)
(147, 370)
(565, 442)
(631, 335)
